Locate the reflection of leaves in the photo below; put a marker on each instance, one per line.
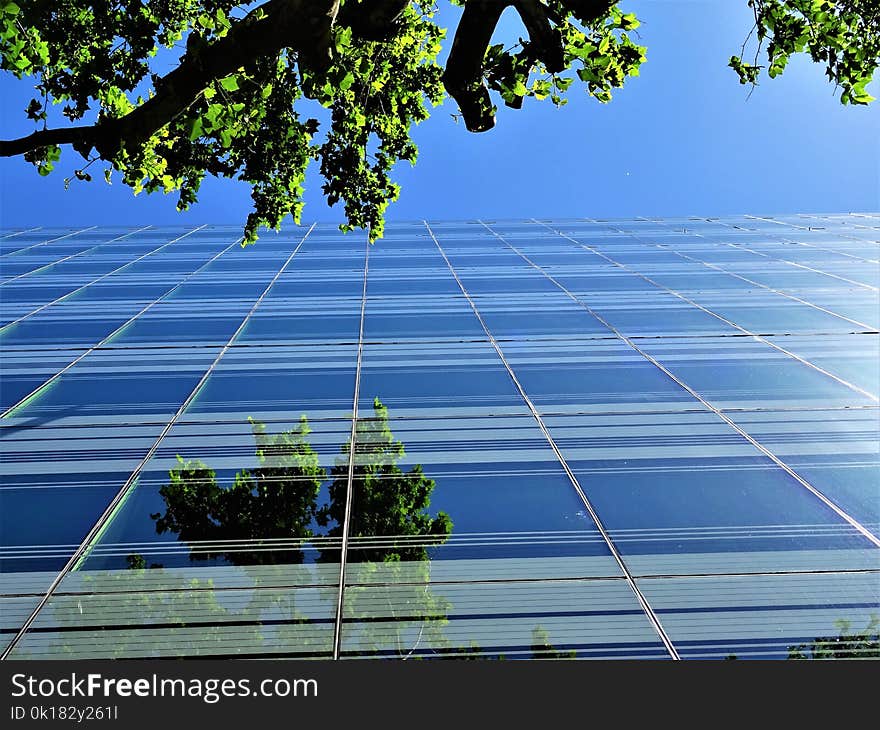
(387, 502)
(845, 645)
(274, 501)
(389, 607)
(278, 500)
(123, 606)
(541, 649)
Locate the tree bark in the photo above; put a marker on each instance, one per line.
(547, 41)
(463, 77)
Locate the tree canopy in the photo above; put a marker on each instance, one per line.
(264, 89)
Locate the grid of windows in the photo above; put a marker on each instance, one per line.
(635, 439)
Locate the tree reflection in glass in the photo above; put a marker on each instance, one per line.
(271, 511)
(263, 518)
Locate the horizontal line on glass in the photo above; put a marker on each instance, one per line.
(573, 339)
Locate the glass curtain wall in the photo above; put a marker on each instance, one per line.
(482, 439)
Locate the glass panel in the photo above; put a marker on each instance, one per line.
(278, 384)
(69, 323)
(764, 312)
(738, 372)
(22, 372)
(858, 304)
(260, 491)
(837, 451)
(593, 376)
(684, 493)
(656, 314)
(532, 620)
(129, 385)
(855, 358)
(537, 315)
(769, 616)
(421, 317)
(495, 280)
(216, 612)
(463, 499)
(76, 469)
(466, 378)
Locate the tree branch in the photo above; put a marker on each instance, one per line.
(547, 41)
(372, 20)
(44, 138)
(463, 77)
(302, 25)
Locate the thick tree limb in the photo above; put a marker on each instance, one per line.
(372, 20)
(302, 25)
(71, 135)
(547, 41)
(463, 77)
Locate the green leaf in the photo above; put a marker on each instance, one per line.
(230, 83)
(347, 81)
(195, 128)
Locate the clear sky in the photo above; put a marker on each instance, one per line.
(681, 139)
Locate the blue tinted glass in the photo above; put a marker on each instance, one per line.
(77, 469)
(744, 373)
(497, 506)
(460, 378)
(762, 616)
(21, 372)
(471, 528)
(279, 383)
(837, 451)
(114, 383)
(421, 317)
(853, 358)
(585, 619)
(593, 376)
(664, 486)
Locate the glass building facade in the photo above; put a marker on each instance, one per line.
(591, 438)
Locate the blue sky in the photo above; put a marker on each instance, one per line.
(681, 139)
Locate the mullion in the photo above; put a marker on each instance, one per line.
(349, 488)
